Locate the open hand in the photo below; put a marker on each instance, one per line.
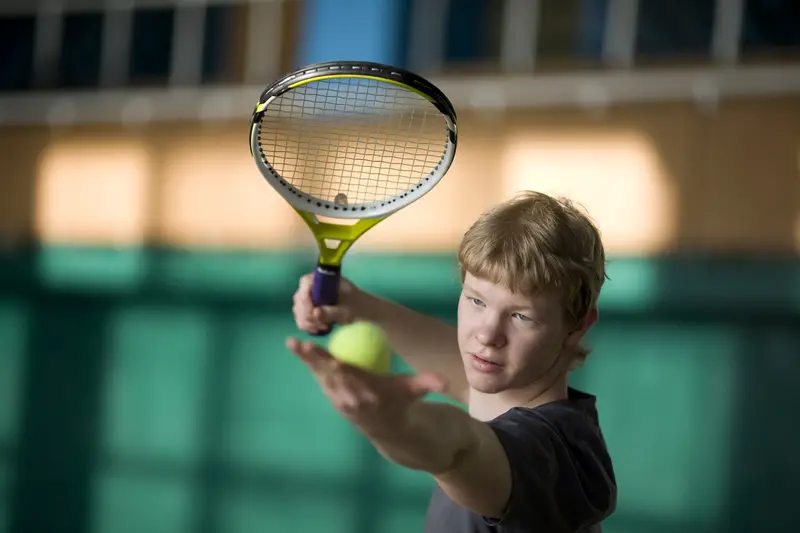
(375, 404)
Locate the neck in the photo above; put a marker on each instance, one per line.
(487, 406)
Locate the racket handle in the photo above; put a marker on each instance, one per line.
(325, 288)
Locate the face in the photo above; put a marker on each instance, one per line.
(511, 341)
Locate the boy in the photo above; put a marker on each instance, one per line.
(529, 456)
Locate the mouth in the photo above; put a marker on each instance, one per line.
(484, 365)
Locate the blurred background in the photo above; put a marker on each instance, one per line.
(146, 269)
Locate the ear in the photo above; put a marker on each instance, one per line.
(576, 335)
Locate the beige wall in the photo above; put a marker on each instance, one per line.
(655, 177)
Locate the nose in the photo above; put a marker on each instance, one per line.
(490, 332)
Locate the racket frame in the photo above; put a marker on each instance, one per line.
(310, 208)
(373, 71)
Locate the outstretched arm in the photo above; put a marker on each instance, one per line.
(463, 454)
(425, 343)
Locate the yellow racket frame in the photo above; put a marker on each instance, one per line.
(345, 234)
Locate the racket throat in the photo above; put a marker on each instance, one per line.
(333, 240)
(331, 251)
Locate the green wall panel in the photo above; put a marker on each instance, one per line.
(131, 501)
(277, 418)
(6, 473)
(158, 365)
(13, 336)
(665, 397)
(245, 511)
(150, 390)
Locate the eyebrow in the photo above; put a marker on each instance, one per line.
(519, 306)
(472, 290)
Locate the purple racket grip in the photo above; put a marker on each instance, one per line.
(325, 289)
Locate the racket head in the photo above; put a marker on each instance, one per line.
(350, 140)
(353, 140)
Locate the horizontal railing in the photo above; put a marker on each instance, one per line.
(705, 86)
(516, 82)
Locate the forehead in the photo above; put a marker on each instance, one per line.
(502, 294)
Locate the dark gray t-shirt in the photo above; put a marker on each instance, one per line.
(562, 477)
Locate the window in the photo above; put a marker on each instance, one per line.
(771, 26)
(16, 52)
(151, 48)
(81, 47)
(473, 32)
(667, 29)
(223, 47)
(571, 31)
(79, 59)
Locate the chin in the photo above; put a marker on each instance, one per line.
(487, 384)
(488, 389)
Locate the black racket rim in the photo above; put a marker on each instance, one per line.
(361, 68)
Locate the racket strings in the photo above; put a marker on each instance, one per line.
(352, 140)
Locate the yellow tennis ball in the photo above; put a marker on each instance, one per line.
(361, 344)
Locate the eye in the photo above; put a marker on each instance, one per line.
(522, 317)
(475, 301)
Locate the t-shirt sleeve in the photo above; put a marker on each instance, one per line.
(562, 480)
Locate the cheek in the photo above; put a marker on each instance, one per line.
(468, 323)
(464, 324)
(463, 314)
(530, 346)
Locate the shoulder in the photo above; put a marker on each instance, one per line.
(571, 421)
(562, 474)
(572, 424)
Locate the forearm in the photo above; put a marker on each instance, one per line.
(433, 438)
(427, 344)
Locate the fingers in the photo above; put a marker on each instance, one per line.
(313, 319)
(349, 388)
(303, 308)
(421, 384)
(305, 283)
(330, 314)
(317, 359)
(374, 403)
(321, 362)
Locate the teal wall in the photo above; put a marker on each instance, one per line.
(150, 391)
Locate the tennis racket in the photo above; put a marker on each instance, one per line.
(347, 144)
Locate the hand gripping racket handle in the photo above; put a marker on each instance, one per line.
(325, 288)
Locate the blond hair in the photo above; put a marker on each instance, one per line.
(535, 243)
